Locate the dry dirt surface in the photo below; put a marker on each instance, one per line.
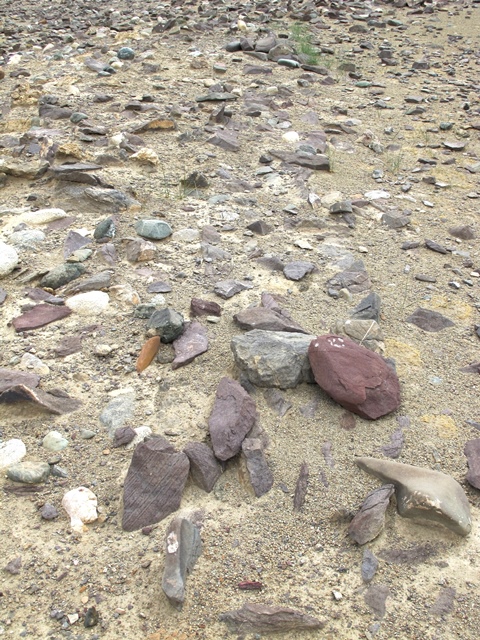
(390, 100)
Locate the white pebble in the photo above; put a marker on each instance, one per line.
(142, 433)
(54, 441)
(8, 259)
(89, 303)
(291, 136)
(81, 506)
(11, 452)
(43, 216)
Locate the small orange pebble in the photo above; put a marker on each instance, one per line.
(148, 353)
(106, 452)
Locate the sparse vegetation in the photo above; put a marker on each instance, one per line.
(303, 40)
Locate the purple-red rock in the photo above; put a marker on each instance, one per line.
(429, 320)
(301, 487)
(11, 378)
(192, 343)
(232, 417)
(154, 483)
(40, 315)
(67, 346)
(55, 401)
(123, 435)
(199, 307)
(472, 451)
(204, 467)
(266, 319)
(355, 377)
(258, 618)
(368, 523)
(258, 470)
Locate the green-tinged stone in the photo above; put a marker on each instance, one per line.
(29, 472)
(153, 229)
(61, 275)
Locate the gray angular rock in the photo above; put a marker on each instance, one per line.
(368, 308)
(204, 467)
(166, 323)
(112, 199)
(29, 472)
(183, 547)
(261, 618)
(273, 358)
(259, 472)
(118, 411)
(368, 523)
(376, 597)
(298, 269)
(354, 281)
(96, 282)
(233, 416)
(154, 484)
(153, 229)
(423, 494)
(140, 250)
(228, 288)
(369, 566)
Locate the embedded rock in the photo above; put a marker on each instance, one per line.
(204, 467)
(192, 343)
(266, 319)
(472, 451)
(258, 470)
(183, 547)
(368, 523)
(358, 379)
(261, 618)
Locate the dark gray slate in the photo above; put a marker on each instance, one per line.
(429, 320)
(368, 308)
(368, 523)
(273, 358)
(154, 484)
(308, 160)
(183, 547)
(204, 467)
(166, 323)
(227, 140)
(258, 470)
(472, 451)
(232, 417)
(260, 618)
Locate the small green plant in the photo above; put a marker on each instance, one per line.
(395, 162)
(303, 40)
(332, 156)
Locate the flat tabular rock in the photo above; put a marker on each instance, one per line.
(112, 199)
(423, 494)
(258, 470)
(199, 307)
(192, 343)
(472, 451)
(429, 320)
(258, 618)
(298, 269)
(96, 282)
(30, 170)
(228, 288)
(266, 319)
(183, 547)
(368, 523)
(204, 467)
(11, 377)
(307, 160)
(354, 281)
(227, 140)
(29, 472)
(232, 417)
(154, 483)
(57, 403)
(273, 358)
(369, 566)
(353, 376)
(61, 275)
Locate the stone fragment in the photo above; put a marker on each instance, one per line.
(266, 319)
(444, 603)
(423, 494)
(227, 140)
(8, 259)
(192, 343)
(272, 358)
(54, 441)
(259, 472)
(368, 308)
(204, 467)
(153, 229)
(81, 506)
(298, 269)
(11, 452)
(105, 230)
(13, 567)
(91, 618)
(11, 378)
(30, 170)
(472, 451)
(140, 251)
(67, 346)
(96, 282)
(183, 547)
(369, 522)
(158, 124)
(464, 232)
(376, 597)
(199, 307)
(369, 566)
(228, 288)
(261, 618)
(49, 512)
(343, 206)
(112, 199)
(118, 411)
(301, 487)
(29, 472)
(167, 323)
(232, 417)
(62, 275)
(277, 402)
(148, 353)
(354, 281)
(453, 145)
(435, 246)
(3, 296)
(159, 287)
(313, 161)
(363, 332)
(154, 484)
(358, 379)
(90, 303)
(123, 435)
(73, 242)
(395, 446)
(428, 320)
(57, 402)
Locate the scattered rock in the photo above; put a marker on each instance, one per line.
(228, 288)
(260, 618)
(204, 467)
(54, 441)
(183, 547)
(192, 343)
(49, 512)
(428, 320)
(153, 229)
(368, 523)
(297, 270)
(81, 506)
(199, 307)
(11, 452)
(56, 401)
(11, 378)
(369, 566)
(366, 333)
(258, 470)
(167, 323)
(91, 303)
(29, 472)
(8, 259)
(368, 308)
(472, 451)
(148, 353)
(13, 567)
(266, 320)
(62, 275)
(301, 487)
(376, 597)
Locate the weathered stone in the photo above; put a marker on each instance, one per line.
(261, 618)
(429, 320)
(395, 446)
(308, 160)
(118, 411)
(11, 377)
(105, 230)
(353, 376)
(89, 303)
(228, 288)
(54, 441)
(112, 199)
(8, 259)
(363, 332)
(435, 246)
(464, 232)
(375, 597)
(343, 206)
(204, 467)
(49, 512)
(192, 343)
(154, 483)
(31, 170)
(67, 346)
(73, 242)
(29, 472)
(157, 124)
(11, 452)
(301, 487)
(123, 435)
(258, 470)
(96, 282)
(368, 308)
(266, 319)
(368, 523)
(200, 307)
(354, 281)
(276, 401)
(233, 416)
(272, 358)
(81, 505)
(472, 451)
(369, 566)
(423, 494)
(13, 567)
(62, 275)
(227, 140)
(140, 250)
(153, 229)
(183, 547)
(167, 323)
(298, 269)
(57, 403)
